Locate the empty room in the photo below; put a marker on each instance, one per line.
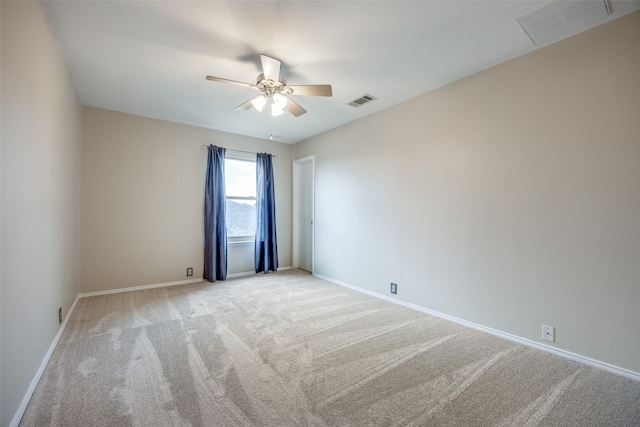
(320, 213)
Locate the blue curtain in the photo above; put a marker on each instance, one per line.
(215, 227)
(266, 245)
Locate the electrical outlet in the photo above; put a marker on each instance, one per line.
(190, 271)
(394, 288)
(59, 315)
(548, 333)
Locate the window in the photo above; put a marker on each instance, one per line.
(240, 189)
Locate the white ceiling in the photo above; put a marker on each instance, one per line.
(150, 58)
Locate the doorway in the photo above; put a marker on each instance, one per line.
(303, 213)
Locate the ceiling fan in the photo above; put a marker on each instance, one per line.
(275, 90)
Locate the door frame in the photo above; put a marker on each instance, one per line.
(297, 202)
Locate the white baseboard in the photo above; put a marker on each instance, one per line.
(162, 285)
(36, 379)
(558, 352)
(137, 288)
(241, 274)
(251, 273)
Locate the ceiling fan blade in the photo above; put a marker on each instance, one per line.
(221, 80)
(246, 105)
(294, 108)
(270, 68)
(312, 90)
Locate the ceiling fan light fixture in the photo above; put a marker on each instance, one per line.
(259, 102)
(275, 111)
(279, 101)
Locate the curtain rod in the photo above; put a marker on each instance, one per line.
(204, 147)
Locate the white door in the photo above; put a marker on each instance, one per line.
(303, 213)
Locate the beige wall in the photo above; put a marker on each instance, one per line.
(142, 199)
(40, 176)
(510, 199)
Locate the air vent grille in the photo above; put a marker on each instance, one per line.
(563, 18)
(365, 99)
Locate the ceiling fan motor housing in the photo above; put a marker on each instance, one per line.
(271, 87)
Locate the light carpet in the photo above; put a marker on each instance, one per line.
(288, 349)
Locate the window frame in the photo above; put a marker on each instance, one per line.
(244, 157)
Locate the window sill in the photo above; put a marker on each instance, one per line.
(240, 242)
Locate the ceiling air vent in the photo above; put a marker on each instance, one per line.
(362, 100)
(564, 18)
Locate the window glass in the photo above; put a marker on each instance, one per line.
(240, 189)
